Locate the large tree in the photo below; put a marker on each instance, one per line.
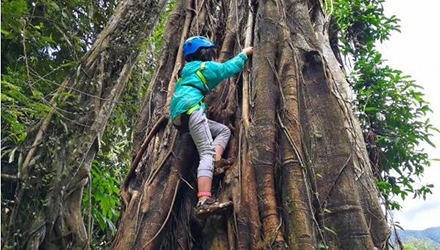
(58, 153)
(301, 178)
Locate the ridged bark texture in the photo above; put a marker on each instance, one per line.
(301, 178)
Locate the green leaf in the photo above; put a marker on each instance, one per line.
(5, 32)
(370, 109)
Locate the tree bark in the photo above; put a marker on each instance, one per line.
(58, 157)
(301, 178)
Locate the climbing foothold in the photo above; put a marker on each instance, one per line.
(216, 208)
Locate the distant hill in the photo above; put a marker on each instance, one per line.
(432, 233)
(429, 235)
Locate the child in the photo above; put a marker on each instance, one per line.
(188, 111)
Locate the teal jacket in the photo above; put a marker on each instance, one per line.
(191, 90)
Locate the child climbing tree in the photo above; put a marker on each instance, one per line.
(301, 178)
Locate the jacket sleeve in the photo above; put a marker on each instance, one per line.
(221, 71)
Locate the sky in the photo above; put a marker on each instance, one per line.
(416, 52)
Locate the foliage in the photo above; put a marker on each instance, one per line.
(45, 40)
(390, 105)
(105, 203)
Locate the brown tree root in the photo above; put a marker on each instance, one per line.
(124, 195)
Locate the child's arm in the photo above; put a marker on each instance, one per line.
(230, 68)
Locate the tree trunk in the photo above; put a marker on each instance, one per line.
(58, 157)
(301, 178)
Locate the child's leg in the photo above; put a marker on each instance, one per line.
(199, 130)
(221, 133)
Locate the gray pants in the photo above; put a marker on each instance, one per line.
(202, 130)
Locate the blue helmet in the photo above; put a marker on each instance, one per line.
(194, 43)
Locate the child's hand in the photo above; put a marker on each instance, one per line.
(248, 51)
